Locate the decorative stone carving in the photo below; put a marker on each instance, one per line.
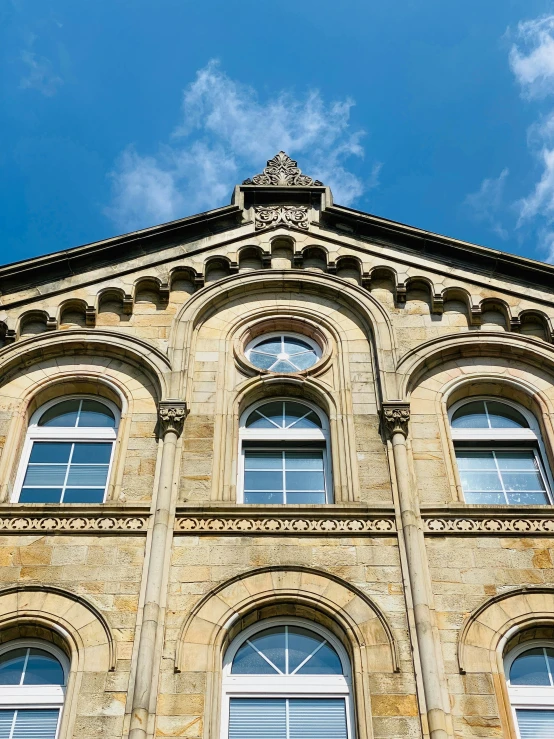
(286, 215)
(74, 524)
(282, 171)
(172, 415)
(489, 525)
(283, 525)
(395, 418)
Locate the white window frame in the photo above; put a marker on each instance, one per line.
(533, 697)
(486, 439)
(65, 434)
(286, 686)
(279, 436)
(280, 334)
(14, 697)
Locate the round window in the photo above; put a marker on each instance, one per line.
(283, 353)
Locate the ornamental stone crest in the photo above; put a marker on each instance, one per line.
(286, 215)
(395, 418)
(282, 171)
(172, 415)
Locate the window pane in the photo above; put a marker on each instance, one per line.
(324, 662)
(88, 474)
(517, 460)
(470, 416)
(50, 452)
(254, 498)
(270, 346)
(317, 718)
(40, 495)
(45, 474)
(502, 416)
(262, 361)
(305, 360)
(258, 718)
(310, 421)
(485, 482)
(304, 460)
(95, 414)
(263, 460)
(294, 346)
(248, 662)
(36, 724)
(62, 414)
(263, 480)
(6, 723)
(535, 724)
(530, 669)
(271, 642)
(308, 481)
(527, 499)
(522, 481)
(293, 412)
(43, 669)
(92, 453)
(84, 495)
(475, 460)
(11, 666)
(272, 411)
(283, 366)
(303, 498)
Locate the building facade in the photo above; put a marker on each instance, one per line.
(278, 470)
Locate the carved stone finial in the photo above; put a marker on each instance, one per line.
(282, 171)
(395, 418)
(172, 415)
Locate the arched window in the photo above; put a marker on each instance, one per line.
(286, 680)
(68, 452)
(33, 676)
(529, 670)
(284, 454)
(499, 453)
(283, 352)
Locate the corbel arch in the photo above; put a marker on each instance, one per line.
(286, 591)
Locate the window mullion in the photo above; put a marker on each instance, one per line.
(24, 670)
(79, 413)
(287, 717)
(286, 650)
(498, 472)
(487, 414)
(284, 475)
(14, 719)
(67, 471)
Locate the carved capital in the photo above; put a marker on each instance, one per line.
(172, 415)
(395, 418)
(281, 215)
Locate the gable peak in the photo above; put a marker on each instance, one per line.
(282, 171)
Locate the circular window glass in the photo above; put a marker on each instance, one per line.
(283, 353)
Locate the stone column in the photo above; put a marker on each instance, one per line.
(395, 418)
(171, 416)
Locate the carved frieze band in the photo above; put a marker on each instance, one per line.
(285, 215)
(489, 525)
(74, 524)
(269, 525)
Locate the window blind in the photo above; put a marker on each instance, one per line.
(287, 718)
(535, 724)
(29, 723)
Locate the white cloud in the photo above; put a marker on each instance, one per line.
(487, 202)
(40, 74)
(532, 57)
(226, 133)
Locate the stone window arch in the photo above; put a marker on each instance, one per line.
(286, 677)
(284, 453)
(68, 451)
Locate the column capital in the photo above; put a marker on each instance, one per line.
(395, 417)
(172, 415)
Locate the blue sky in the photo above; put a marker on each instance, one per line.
(123, 114)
